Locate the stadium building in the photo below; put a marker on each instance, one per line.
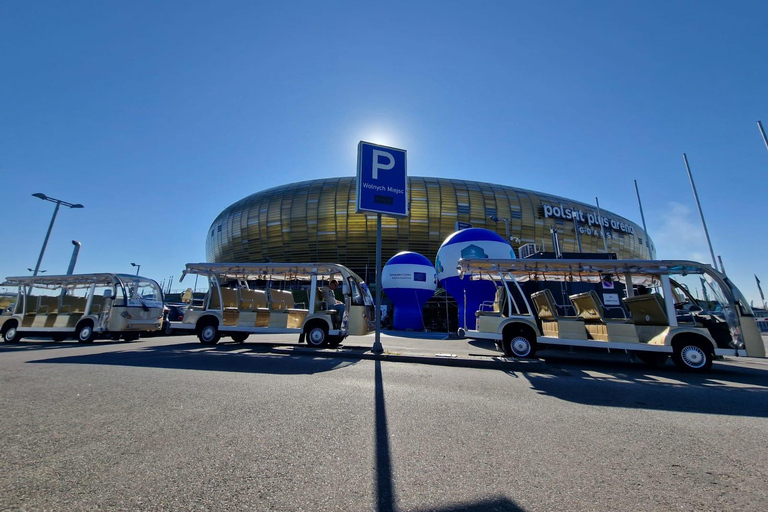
(315, 221)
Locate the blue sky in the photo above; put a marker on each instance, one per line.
(158, 115)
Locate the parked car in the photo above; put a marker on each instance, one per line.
(172, 313)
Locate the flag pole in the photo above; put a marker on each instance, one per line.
(762, 132)
(701, 213)
(600, 221)
(645, 230)
(722, 267)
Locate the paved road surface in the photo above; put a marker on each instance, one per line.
(168, 424)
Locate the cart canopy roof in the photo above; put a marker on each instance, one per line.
(72, 281)
(643, 272)
(269, 271)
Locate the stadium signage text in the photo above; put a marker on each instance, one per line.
(591, 219)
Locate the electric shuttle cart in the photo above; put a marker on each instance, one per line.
(83, 306)
(258, 298)
(647, 308)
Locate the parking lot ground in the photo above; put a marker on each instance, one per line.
(441, 349)
(169, 424)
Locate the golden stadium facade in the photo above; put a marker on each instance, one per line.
(315, 221)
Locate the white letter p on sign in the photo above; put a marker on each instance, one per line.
(384, 167)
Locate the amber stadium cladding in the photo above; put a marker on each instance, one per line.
(315, 221)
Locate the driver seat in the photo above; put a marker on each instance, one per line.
(647, 309)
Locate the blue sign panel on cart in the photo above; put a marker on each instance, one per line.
(382, 180)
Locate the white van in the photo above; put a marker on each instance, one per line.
(258, 298)
(647, 308)
(83, 306)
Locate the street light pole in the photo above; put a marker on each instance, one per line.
(45, 242)
(506, 226)
(138, 267)
(58, 202)
(73, 260)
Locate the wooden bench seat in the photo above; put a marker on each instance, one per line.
(589, 307)
(283, 312)
(552, 323)
(253, 308)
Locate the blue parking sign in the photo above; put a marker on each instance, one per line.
(382, 180)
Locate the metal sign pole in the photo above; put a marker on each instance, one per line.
(382, 188)
(377, 348)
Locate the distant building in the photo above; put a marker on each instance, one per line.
(761, 317)
(315, 221)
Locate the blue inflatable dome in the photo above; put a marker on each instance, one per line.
(469, 243)
(409, 280)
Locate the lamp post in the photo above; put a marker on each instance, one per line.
(73, 260)
(138, 267)
(506, 225)
(41, 272)
(58, 202)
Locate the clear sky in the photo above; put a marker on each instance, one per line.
(158, 115)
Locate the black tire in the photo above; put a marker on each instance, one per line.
(131, 337)
(11, 333)
(652, 359)
(334, 341)
(85, 333)
(208, 333)
(692, 356)
(519, 344)
(316, 335)
(59, 337)
(167, 329)
(239, 337)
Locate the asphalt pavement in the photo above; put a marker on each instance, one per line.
(445, 350)
(169, 424)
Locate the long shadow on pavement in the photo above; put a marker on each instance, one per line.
(385, 487)
(31, 345)
(251, 358)
(727, 390)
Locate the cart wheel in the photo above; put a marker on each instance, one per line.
(208, 334)
(692, 356)
(519, 345)
(11, 333)
(239, 337)
(85, 333)
(317, 335)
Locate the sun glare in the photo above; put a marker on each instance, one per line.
(385, 134)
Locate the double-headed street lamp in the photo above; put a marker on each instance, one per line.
(506, 225)
(41, 272)
(58, 202)
(138, 267)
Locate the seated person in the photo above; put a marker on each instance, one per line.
(330, 298)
